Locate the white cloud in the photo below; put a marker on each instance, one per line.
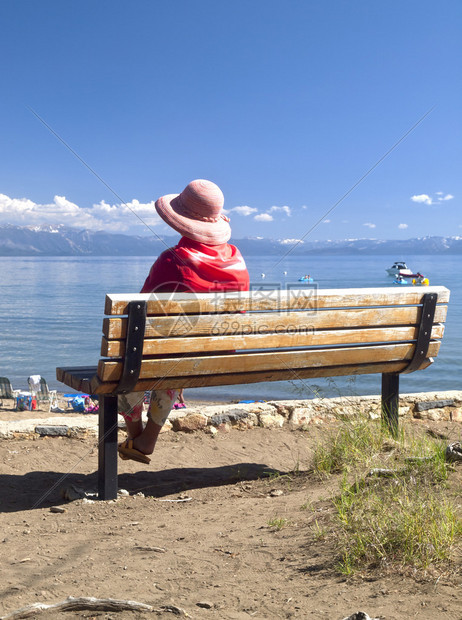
(428, 200)
(326, 222)
(403, 226)
(263, 217)
(422, 198)
(101, 216)
(285, 209)
(244, 210)
(369, 225)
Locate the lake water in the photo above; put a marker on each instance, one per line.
(51, 315)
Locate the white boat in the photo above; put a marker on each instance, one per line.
(399, 269)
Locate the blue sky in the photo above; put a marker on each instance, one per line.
(284, 104)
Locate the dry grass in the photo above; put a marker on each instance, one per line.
(394, 505)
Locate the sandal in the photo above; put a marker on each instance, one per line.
(128, 452)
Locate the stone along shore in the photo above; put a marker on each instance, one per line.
(225, 417)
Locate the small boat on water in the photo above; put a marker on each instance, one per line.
(307, 278)
(399, 268)
(401, 280)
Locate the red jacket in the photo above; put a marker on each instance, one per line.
(196, 267)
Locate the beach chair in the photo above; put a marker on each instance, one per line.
(6, 390)
(39, 388)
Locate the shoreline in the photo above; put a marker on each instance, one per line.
(214, 417)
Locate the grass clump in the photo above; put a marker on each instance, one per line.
(278, 523)
(394, 521)
(355, 442)
(393, 508)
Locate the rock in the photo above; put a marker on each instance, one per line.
(231, 416)
(456, 415)
(211, 430)
(276, 493)
(433, 404)
(57, 509)
(72, 492)
(438, 414)
(52, 431)
(403, 411)
(123, 492)
(284, 408)
(245, 423)
(433, 414)
(205, 604)
(271, 421)
(190, 423)
(302, 415)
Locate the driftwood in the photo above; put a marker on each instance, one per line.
(79, 603)
(454, 452)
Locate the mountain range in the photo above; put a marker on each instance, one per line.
(63, 241)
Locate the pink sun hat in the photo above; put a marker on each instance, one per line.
(197, 213)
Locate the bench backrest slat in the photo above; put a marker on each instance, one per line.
(267, 322)
(165, 346)
(259, 300)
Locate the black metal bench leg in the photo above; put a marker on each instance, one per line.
(390, 401)
(107, 448)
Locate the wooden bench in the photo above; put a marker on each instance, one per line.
(182, 340)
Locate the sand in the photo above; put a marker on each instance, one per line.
(193, 532)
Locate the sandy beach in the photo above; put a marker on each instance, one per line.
(194, 532)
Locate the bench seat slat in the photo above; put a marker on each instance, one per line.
(99, 387)
(157, 346)
(193, 325)
(274, 360)
(78, 378)
(164, 303)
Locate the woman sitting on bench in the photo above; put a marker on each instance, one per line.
(202, 262)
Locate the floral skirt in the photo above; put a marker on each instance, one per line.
(130, 406)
